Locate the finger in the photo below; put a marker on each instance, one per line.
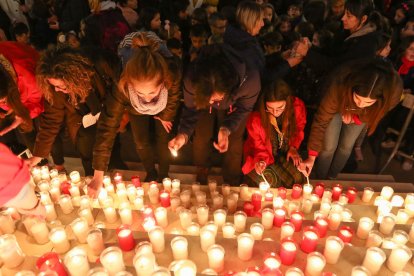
(216, 146)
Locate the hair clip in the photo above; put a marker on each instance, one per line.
(405, 6)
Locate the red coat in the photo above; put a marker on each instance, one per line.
(23, 58)
(258, 148)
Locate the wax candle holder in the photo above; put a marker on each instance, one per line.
(166, 183)
(112, 260)
(248, 208)
(334, 219)
(185, 197)
(95, 241)
(297, 219)
(165, 199)
(288, 250)
(240, 218)
(367, 195)
(156, 236)
(387, 192)
(125, 237)
(268, 218)
(315, 263)
(220, 217)
(245, 243)
(279, 217)
(387, 224)
(309, 239)
(148, 223)
(345, 234)
(321, 224)
(365, 225)
(319, 189)
(80, 229)
(7, 225)
(307, 205)
(229, 230)
(374, 258)
(179, 246)
(217, 201)
(351, 194)
(402, 216)
(185, 268)
(76, 261)
(65, 203)
(87, 214)
(294, 271)
(193, 229)
(400, 237)
(10, 252)
(232, 203)
(374, 239)
(307, 190)
(201, 197)
(59, 239)
(212, 185)
(185, 218)
(40, 231)
(161, 216)
(286, 230)
(215, 254)
(333, 249)
(126, 215)
(207, 238)
(296, 191)
(50, 261)
(256, 230)
(336, 191)
(256, 200)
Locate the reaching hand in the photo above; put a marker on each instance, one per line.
(96, 184)
(177, 143)
(294, 155)
(222, 144)
(347, 119)
(17, 122)
(306, 166)
(166, 124)
(33, 161)
(259, 167)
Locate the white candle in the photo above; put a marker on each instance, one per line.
(85, 202)
(201, 197)
(400, 237)
(74, 191)
(220, 217)
(325, 208)
(367, 195)
(365, 225)
(232, 203)
(387, 192)
(126, 216)
(193, 229)
(179, 246)
(387, 224)
(59, 240)
(75, 176)
(77, 263)
(307, 190)
(87, 214)
(202, 214)
(384, 208)
(144, 247)
(294, 271)
(343, 198)
(55, 193)
(229, 230)
(286, 230)
(215, 255)
(176, 184)
(374, 239)
(225, 190)
(315, 263)
(360, 271)
(263, 188)
(95, 241)
(80, 228)
(307, 205)
(166, 183)
(40, 232)
(185, 218)
(207, 238)
(144, 264)
(10, 252)
(110, 214)
(333, 249)
(240, 219)
(267, 218)
(110, 189)
(244, 192)
(185, 198)
(334, 220)
(45, 198)
(7, 225)
(374, 258)
(245, 243)
(256, 230)
(28, 222)
(50, 212)
(111, 258)
(217, 202)
(212, 226)
(123, 196)
(402, 216)
(156, 236)
(139, 203)
(397, 201)
(65, 203)
(161, 216)
(184, 268)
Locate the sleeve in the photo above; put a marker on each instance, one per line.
(7, 9)
(189, 116)
(174, 93)
(30, 95)
(300, 116)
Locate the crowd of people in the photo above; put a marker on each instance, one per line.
(274, 86)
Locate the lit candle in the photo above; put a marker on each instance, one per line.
(74, 191)
(59, 240)
(232, 203)
(307, 190)
(95, 241)
(400, 237)
(263, 188)
(367, 195)
(374, 258)
(268, 218)
(388, 243)
(161, 216)
(50, 262)
(374, 239)
(327, 193)
(156, 236)
(220, 217)
(297, 218)
(185, 268)
(398, 258)
(165, 199)
(240, 219)
(148, 223)
(217, 202)
(75, 176)
(343, 199)
(384, 208)
(409, 208)
(80, 229)
(387, 224)
(286, 230)
(207, 238)
(195, 187)
(351, 194)
(125, 238)
(28, 222)
(110, 214)
(40, 232)
(244, 192)
(294, 271)
(193, 229)
(296, 191)
(256, 230)
(202, 214)
(335, 219)
(10, 252)
(321, 224)
(65, 203)
(179, 246)
(112, 260)
(325, 208)
(225, 190)
(279, 217)
(315, 263)
(364, 226)
(126, 215)
(87, 214)
(166, 183)
(345, 234)
(76, 261)
(256, 201)
(288, 251)
(212, 185)
(245, 243)
(215, 254)
(185, 198)
(153, 193)
(248, 208)
(139, 203)
(292, 206)
(7, 225)
(228, 230)
(55, 193)
(50, 212)
(402, 216)
(36, 174)
(201, 197)
(387, 192)
(333, 249)
(336, 191)
(45, 198)
(319, 189)
(185, 218)
(309, 239)
(307, 205)
(360, 271)
(269, 196)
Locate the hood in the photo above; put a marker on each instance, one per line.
(366, 29)
(237, 37)
(106, 5)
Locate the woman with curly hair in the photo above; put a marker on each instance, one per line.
(74, 84)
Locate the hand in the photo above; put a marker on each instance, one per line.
(95, 185)
(178, 142)
(54, 25)
(259, 167)
(166, 124)
(39, 211)
(347, 119)
(53, 18)
(33, 161)
(294, 155)
(17, 122)
(306, 166)
(222, 144)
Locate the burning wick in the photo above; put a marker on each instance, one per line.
(174, 152)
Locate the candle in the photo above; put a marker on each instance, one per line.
(7, 225)
(400, 237)
(245, 243)
(374, 258)
(95, 241)
(201, 197)
(345, 234)
(325, 208)
(212, 185)
(321, 224)
(166, 183)
(387, 224)
(307, 205)
(232, 203)
(343, 199)
(387, 192)
(202, 214)
(297, 218)
(360, 271)
(185, 218)
(334, 220)
(87, 214)
(161, 217)
(207, 238)
(294, 271)
(279, 217)
(257, 229)
(288, 251)
(220, 217)
(153, 193)
(65, 203)
(244, 192)
(225, 190)
(40, 232)
(256, 201)
(148, 223)
(292, 206)
(185, 198)
(74, 191)
(319, 189)
(110, 214)
(398, 258)
(286, 230)
(50, 212)
(165, 199)
(296, 191)
(75, 176)
(327, 194)
(268, 218)
(228, 230)
(248, 208)
(384, 208)
(59, 240)
(315, 263)
(195, 187)
(217, 202)
(77, 263)
(411, 234)
(309, 239)
(50, 262)
(156, 236)
(365, 225)
(307, 190)
(402, 216)
(215, 254)
(193, 229)
(388, 243)
(367, 195)
(240, 218)
(333, 249)
(80, 229)
(336, 191)
(179, 246)
(281, 192)
(10, 252)
(374, 239)
(126, 216)
(351, 194)
(125, 238)
(112, 260)
(139, 203)
(185, 268)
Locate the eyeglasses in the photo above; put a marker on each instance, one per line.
(275, 110)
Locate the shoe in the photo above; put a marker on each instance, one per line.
(358, 154)
(407, 165)
(388, 144)
(151, 176)
(202, 175)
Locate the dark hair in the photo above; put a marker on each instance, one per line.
(407, 8)
(216, 17)
(123, 3)
(174, 43)
(405, 43)
(212, 71)
(272, 39)
(305, 29)
(19, 28)
(200, 16)
(296, 3)
(229, 12)
(314, 12)
(146, 16)
(198, 31)
(359, 8)
(10, 91)
(326, 39)
(278, 90)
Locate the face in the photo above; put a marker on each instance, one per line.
(219, 27)
(133, 4)
(409, 52)
(197, 41)
(386, 51)
(276, 108)
(399, 16)
(268, 14)
(293, 12)
(315, 40)
(408, 30)
(256, 29)
(23, 38)
(156, 22)
(351, 22)
(338, 9)
(363, 102)
(177, 34)
(285, 27)
(147, 90)
(59, 85)
(216, 97)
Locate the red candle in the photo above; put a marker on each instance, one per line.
(279, 217)
(309, 239)
(282, 192)
(248, 208)
(345, 234)
(336, 191)
(296, 191)
(319, 189)
(257, 201)
(321, 224)
(351, 194)
(287, 251)
(297, 218)
(136, 180)
(51, 261)
(269, 196)
(147, 212)
(64, 187)
(271, 264)
(165, 199)
(117, 177)
(125, 238)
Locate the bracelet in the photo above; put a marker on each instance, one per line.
(37, 204)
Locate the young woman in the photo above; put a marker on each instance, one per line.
(149, 89)
(149, 20)
(358, 94)
(275, 133)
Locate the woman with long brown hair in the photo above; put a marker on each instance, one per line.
(275, 133)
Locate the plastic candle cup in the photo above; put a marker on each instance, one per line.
(80, 229)
(297, 218)
(165, 199)
(374, 258)
(59, 239)
(185, 218)
(196, 187)
(161, 217)
(336, 191)
(112, 260)
(307, 190)
(244, 192)
(402, 216)
(166, 183)
(343, 198)
(333, 249)
(248, 208)
(400, 237)
(179, 246)
(220, 217)
(360, 271)
(7, 225)
(327, 193)
(95, 241)
(286, 230)
(74, 191)
(374, 239)
(40, 232)
(397, 201)
(351, 194)
(315, 263)
(125, 238)
(256, 201)
(288, 250)
(335, 219)
(294, 271)
(217, 201)
(388, 243)
(296, 191)
(345, 234)
(50, 212)
(228, 230)
(185, 198)
(245, 243)
(144, 247)
(256, 230)
(65, 203)
(50, 262)
(231, 204)
(75, 176)
(387, 224)
(207, 238)
(76, 262)
(387, 192)
(10, 251)
(281, 192)
(269, 196)
(278, 202)
(193, 229)
(157, 239)
(148, 223)
(202, 214)
(126, 215)
(325, 208)
(212, 185)
(399, 257)
(307, 205)
(367, 195)
(87, 214)
(309, 239)
(201, 197)
(110, 214)
(279, 217)
(321, 224)
(268, 218)
(215, 254)
(225, 190)
(139, 203)
(365, 225)
(271, 263)
(240, 218)
(411, 234)
(319, 189)
(185, 268)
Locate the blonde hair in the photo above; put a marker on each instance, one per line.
(247, 15)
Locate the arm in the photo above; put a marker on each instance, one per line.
(300, 116)
(189, 116)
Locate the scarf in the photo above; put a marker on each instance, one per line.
(273, 122)
(151, 108)
(366, 29)
(405, 66)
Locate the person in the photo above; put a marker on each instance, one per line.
(74, 84)
(21, 33)
(217, 23)
(16, 187)
(68, 15)
(149, 20)
(220, 90)
(275, 133)
(149, 88)
(198, 36)
(358, 94)
(128, 8)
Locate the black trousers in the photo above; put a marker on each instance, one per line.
(206, 132)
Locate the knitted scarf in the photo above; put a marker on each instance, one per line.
(151, 108)
(405, 66)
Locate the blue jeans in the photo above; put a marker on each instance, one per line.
(337, 147)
